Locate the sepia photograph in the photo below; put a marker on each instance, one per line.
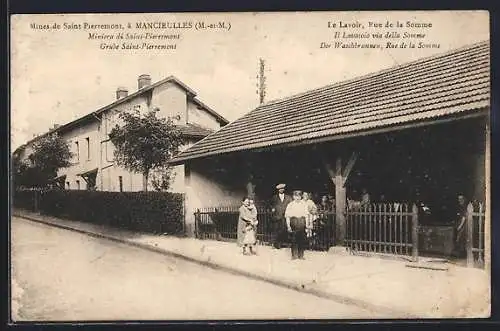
(250, 166)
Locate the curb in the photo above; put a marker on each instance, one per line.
(235, 271)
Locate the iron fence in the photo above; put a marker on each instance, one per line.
(221, 223)
(475, 234)
(390, 228)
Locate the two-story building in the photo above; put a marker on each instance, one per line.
(93, 165)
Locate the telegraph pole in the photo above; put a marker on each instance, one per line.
(261, 85)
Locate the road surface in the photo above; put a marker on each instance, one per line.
(60, 275)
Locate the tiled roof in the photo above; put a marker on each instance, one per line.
(192, 130)
(454, 82)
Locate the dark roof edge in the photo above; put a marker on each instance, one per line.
(219, 117)
(484, 111)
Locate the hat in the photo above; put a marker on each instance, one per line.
(280, 186)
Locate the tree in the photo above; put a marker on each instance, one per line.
(145, 143)
(50, 153)
(161, 178)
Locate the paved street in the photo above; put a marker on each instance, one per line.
(63, 275)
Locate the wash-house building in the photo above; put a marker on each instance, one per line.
(415, 132)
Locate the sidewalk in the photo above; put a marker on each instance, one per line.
(387, 287)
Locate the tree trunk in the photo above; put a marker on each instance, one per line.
(145, 177)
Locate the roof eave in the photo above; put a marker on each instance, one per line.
(375, 130)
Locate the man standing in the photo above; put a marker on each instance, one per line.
(279, 202)
(295, 215)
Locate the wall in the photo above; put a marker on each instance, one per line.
(171, 100)
(81, 160)
(110, 180)
(201, 117)
(207, 188)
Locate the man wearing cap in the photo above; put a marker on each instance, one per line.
(279, 202)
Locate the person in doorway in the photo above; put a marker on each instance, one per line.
(295, 215)
(325, 204)
(332, 202)
(461, 217)
(279, 202)
(247, 222)
(325, 213)
(365, 198)
(251, 187)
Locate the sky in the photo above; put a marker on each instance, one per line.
(60, 75)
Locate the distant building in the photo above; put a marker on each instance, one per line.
(93, 166)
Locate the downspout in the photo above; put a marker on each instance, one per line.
(99, 137)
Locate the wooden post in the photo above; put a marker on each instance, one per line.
(196, 221)
(414, 232)
(469, 232)
(339, 179)
(487, 204)
(340, 201)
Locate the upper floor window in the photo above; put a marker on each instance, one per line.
(87, 140)
(77, 153)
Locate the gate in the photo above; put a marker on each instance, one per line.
(390, 228)
(475, 234)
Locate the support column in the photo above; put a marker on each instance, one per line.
(189, 219)
(469, 231)
(487, 200)
(340, 207)
(339, 178)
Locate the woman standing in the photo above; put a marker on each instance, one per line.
(247, 222)
(296, 214)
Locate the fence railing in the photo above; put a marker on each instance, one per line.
(383, 228)
(221, 223)
(475, 234)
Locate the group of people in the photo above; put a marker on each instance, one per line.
(292, 217)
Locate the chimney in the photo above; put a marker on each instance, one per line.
(55, 126)
(121, 92)
(144, 80)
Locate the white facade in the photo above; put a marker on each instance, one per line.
(93, 151)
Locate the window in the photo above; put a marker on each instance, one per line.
(88, 147)
(109, 151)
(77, 153)
(68, 186)
(120, 181)
(77, 184)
